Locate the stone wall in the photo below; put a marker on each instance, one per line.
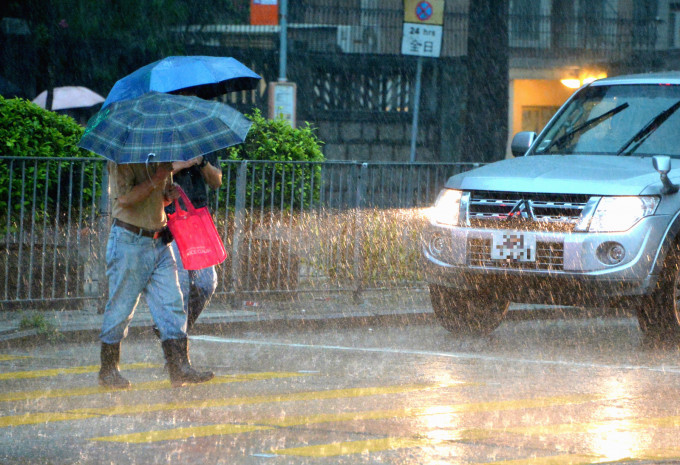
(376, 141)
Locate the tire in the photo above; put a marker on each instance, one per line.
(659, 314)
(467, 312)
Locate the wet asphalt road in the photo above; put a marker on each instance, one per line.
(537, 391)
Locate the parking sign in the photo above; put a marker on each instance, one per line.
(422, 29)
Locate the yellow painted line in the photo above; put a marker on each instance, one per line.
(378, 415)
(425, 411)
(181, 433)
(578, 459)
(147, 386)
(568, 459)
(7, 358)
(659, 454)
(68, 371)
(627, 425)
(28, 419)
(49, 417)
(353, 447)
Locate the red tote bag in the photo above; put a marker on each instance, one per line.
(197, 239)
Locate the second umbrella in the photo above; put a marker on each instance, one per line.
(203, 76)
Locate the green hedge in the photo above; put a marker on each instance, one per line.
(276, 140)
(26, 130)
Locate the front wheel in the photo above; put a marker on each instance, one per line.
(467, 312)
(659, 313)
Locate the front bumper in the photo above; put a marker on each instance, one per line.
(567, 263)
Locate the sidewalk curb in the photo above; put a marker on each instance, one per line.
(219, 325)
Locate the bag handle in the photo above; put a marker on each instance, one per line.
(185, 199)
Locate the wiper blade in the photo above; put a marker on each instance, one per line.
(648, 128)
(584, 127)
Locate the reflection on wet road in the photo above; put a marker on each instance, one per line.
(559, 391)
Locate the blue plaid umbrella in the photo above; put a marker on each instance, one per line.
(202, 76)
(161, 127)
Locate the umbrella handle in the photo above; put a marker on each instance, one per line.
(148, 157)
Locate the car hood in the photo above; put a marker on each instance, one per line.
(565, 174)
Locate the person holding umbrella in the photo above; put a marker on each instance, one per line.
(198, 286)
(205, 77)
(140, 261)
(142, 137)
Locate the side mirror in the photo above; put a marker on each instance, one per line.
(521, 142)
(662, 164)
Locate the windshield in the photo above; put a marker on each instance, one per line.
(601, 120)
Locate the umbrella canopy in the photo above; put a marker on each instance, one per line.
(68, 97)
(163, 127)
(203, 76)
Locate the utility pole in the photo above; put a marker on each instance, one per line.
(283, 41)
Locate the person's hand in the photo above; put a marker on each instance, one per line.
(171, 193)
(182, 165)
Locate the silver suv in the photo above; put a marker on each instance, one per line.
(587, 214)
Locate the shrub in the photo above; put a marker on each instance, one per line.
(26, 130)
(42, 325)
(280, 185)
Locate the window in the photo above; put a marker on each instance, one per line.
(525, 19)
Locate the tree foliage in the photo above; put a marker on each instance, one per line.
(94, 43)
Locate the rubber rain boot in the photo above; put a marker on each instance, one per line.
(179, 367)
(109, 376)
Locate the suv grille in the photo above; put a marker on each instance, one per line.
(549, 256)
(525, 211)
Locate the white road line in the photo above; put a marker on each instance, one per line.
(455, 355)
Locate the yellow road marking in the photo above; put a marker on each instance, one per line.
(439, 410)
(148, 386)
(7, 358)
(353, 447)
(578, 459)
(378, 415)
(182, 433)
(68, 371)
(569, 459)
(628, 425)
(29, 419)
(659, 454)
(380, 445)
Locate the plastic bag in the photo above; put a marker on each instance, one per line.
(199, 244)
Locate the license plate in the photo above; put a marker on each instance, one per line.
(519, 247)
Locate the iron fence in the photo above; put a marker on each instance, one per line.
(288, 227)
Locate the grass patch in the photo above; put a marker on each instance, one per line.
(42, 325)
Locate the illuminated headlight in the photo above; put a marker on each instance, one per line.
(447, 208)
(616, 214)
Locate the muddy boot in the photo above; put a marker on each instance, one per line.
(109, 376)
(179, 367)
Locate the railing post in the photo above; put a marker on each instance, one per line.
(358, 269)
(239, 220)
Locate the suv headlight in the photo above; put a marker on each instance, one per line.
(446, 208)
(616, 214)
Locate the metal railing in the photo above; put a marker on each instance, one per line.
(287, 226)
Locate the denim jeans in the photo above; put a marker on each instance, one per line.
(197, 286)
(137, 265)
